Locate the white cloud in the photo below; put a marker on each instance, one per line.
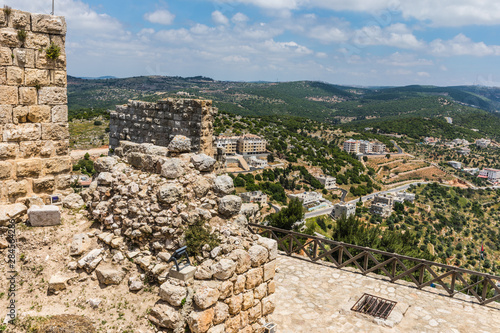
(219, 18)
(396, 35)
(462, 45)
(405, 60)
(423, 74)
(239, 18)
(328, 34)
(161, 16)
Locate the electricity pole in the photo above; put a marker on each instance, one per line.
(52, 8)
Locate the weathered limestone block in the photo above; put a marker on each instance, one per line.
(16, 189)
(8, 37)
(109, 275)
(73, 201)
(20, 114)
(20, 20)
(48, 24)
(205, 296)
(224, 269)
(22, 132)
(201, 187)
(5, 114)
(59, 79)
(24, 58)
(230, 205)
(235, 303)
(8, 151)
(203, 162)
(5, 56)
(57, 165)
(3, 76)
(170, 193)
(242, 259)
(180, 144)
(52, 96)
(269, 270)
(226, 290)
(268, 305)
(258, 255)
(255, 313)
(36, 41)
(204, 271)
(221, 312)
(35, 77)
(62, 147)
(29, 149)
(39, 113)
(57, 282)
(6, 170)
(239, 284)
(200, 321)
(172, 168)
(15, 76)
(27, 96)
(172, 294)
(80, 244)
(60, 114)
(271, 245)
(271, 287)
(55, 131)
(164, 315)
(105, 164)
(233, 324)
(254, 278)
(63, 182)
(29, 168)
(9, 95)
(44, 216)
(260, 291)
(248, 300)
(14, 211)
(224, 184)
(217, 329)
(90, 261)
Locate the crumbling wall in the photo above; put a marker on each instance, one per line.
(144, 208)
(158, 123)
(34, 135)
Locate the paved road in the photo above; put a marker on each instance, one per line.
(400, 151)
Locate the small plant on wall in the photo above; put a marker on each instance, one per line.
(53, 51)
(21, 35)
(7, 10)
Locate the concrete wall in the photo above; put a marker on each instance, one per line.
(34, 136)
(158, 123)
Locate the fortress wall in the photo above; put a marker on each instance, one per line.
(34, 135)
(158, 123)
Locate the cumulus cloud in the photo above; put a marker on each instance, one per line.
(161, 16)
(396, 35)
(405, 60)
(239, 18)
(219, 18)
(462, 45)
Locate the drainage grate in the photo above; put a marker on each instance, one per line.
(374, 306)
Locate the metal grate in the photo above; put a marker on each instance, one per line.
(374, 306)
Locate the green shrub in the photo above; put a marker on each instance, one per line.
(53, 51)
(196, 236)
(21, 35)
(97, 123)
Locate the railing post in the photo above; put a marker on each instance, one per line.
(315, 255)
(394, 263)
(341, 254)
(290, 250)
(453, 279)
(485, 289)
(421, 276)
(365, 264)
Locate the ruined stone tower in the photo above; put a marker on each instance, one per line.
(34, 136)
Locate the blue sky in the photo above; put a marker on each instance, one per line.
(355, 42)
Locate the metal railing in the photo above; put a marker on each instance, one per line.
(422, 273)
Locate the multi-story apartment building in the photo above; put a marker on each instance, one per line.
(381, 209)
(364, 147)
(386, 199)
(378, 147)
(351, 146)
(254, 197)
(307, 197)
(492, 174)
(483, 143)
(343, 209)
(455, 164)
(248, 144)
(327, 181)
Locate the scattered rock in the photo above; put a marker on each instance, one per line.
(80, 244)
(105, 164)
(109, 276)
(67, 324)
(164, 315)
(135, 284)
(14, 211)
(203, 162)
(205, 296)
(172, 294)
(73, 201)
(94, 302)
(180, 144)
(224, 269)
(172, 168)
(224, 184)
(230, 205)
(58, 282)
(91, 260)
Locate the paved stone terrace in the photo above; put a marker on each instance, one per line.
(315, 298)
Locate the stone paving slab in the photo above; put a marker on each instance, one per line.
(317, 298)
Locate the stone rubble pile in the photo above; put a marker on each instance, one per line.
(145, 201)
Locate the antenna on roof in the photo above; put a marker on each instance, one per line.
(52, 8)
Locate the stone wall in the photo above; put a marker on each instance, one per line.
(34, 136)
(145, 201)
(158, 123)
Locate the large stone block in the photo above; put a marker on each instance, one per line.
(9, 95)
(20, 114)
(36, 41)
(8, 37)
(27, 96)
(43, 185)
(8, 151)
(39, 113)
(22, 132)
(35, 77)
(59, 78)
(43, 62)
(52, 131)
(16, 189)
(57, 165)
(15, 76)
(24, 58)
(60, 114)
(52, 96)
(62, 147)
(29, 149)
(20, 20)
(44, 216)
(5, 56)
(5, 170)
(200, 321)
(172, 294)
(14, 211)
(48, 24)
(29, 168)
(5, 114)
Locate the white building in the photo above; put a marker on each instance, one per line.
(327, 181)
(381, 209)
(257, 162)
(464, 151)
(455, 164)
(307, 197)
(351, 146)
(483, 143)
(254, 197)
(364, 147)
(492, 174)
(343, 209)
(405, 196)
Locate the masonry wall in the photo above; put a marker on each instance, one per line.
(158, 123)
(34, 136)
